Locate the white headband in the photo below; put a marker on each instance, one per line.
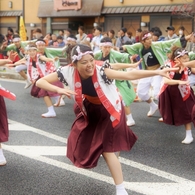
(40, 43)
(16, 39)
(146, 36)
(106, 44)
(29, 48)
(181, 53)
(71, 39)
(80, 55)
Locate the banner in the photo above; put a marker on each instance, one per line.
(22, 29)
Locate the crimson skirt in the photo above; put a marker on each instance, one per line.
(38, 92)
(4, 133)
(173, 109)
(88, 139)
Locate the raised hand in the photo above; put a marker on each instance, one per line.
(164, 72)
(67, 92)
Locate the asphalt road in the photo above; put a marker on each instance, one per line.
(37, 165)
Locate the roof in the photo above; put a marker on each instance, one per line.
(10, 13)
(148, 8)
(88, 8)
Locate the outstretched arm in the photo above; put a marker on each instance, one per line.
(118, 66)
(137, 74)
(3, 62)
(45, 83)
(175, 82)
(22, 61)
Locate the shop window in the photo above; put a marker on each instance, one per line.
(160, 21)
(186, 22)
(132, 24)
(113, 23)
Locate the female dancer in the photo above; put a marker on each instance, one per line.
(41, 49)
(100, 125)
(176, 98)
(37, 67)
(4, 133)
(125, 87)
(154, 55)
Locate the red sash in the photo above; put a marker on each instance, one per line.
(184, 89)
(49, 67)
(115, 115)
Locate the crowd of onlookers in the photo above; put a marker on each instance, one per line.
(122, 37)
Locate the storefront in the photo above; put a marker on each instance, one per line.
(62, 14)
(148, 16)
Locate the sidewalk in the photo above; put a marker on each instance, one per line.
(9, 73)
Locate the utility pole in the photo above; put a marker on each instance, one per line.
(23, 10)
(193, 12)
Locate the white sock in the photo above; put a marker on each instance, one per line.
(152, 103)
(129, 117)
(51, 109)
(120, 189)
(2, 158)
(189, 134)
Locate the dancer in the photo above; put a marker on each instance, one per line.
(41, 47)
(4, 132)
(37, 67)
(18, 47)
(125, 87)
(100, 125)
(154, 56)
(176, 98)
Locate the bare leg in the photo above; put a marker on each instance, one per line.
(23, 75)
(116, 172)
(114, 167)
(47, 101)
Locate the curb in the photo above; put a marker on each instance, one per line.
(9, 73)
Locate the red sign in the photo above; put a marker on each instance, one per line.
(67, 5)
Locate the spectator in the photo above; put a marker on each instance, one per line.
(71, 40)
(67, 33)
(47, 38)
(53, 41)
(130, 35)
(159, 33)
(60, 41)
(89, 37)
(111, 34)
(37, 33)
(155, 36)
(137, 35)
(181, 32)
(182, 35)
(122, 39)
(170, 33)
(9, 35)
(96, 40)
(191, 45)
(61, 33)
(105, 34)
(16, 32)
(81, 36)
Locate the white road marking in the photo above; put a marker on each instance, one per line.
(176, 186)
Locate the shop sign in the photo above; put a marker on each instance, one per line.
(67, 5)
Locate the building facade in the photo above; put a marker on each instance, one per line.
(54, 15)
